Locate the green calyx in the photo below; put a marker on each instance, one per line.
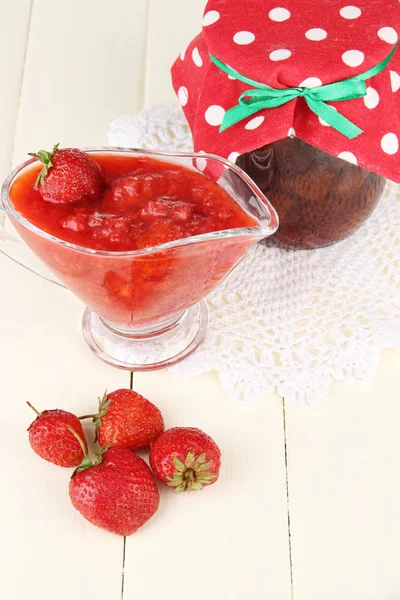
(193, 474)
(104, 403)
(45, 158)
(87, 463)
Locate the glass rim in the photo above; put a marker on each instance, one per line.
(261, 230)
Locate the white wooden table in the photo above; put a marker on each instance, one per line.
(308, 502)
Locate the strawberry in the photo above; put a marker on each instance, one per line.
(118, 492)
(51, 438)
(118, 287)
(162, 207)
(185, 458)
(68, 175)
(127, 419)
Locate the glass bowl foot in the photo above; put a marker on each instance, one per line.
(149, 350)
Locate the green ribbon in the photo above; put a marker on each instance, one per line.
(263, 96)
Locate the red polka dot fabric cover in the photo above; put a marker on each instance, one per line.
(295, 43)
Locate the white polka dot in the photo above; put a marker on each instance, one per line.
(390, 143)
(183, 95)
(324, 123)
(198, 61)
(291, 133)
(350, 12)
(353, 58)
(201, 163)
(388, 34)
(316, 35)
(395, 81)
(279, 14)
(371, 100)
(183, 53)
(348, 156)
(243, 38)
(280, 54)
(254, 123)
(214, 115)
(210, 18)
(233, 156)
(310, 82)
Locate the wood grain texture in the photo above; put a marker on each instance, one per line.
(229, 540)
(172, 25)
(69, 93)
(44, 360)
(14, 27)
(344, 489)
(85, 65)
(232, 537)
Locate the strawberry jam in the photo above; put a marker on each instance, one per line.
(145, 203)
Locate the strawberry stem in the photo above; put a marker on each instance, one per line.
(87, 417)
(33, 408)
(78, 437)
(86, 462)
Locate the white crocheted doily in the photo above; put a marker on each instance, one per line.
(292, 322)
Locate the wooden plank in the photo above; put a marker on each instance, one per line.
(344, 490)
(172, 25)
(44, 360)
(84, 68)
(230, 540)
(14, 26)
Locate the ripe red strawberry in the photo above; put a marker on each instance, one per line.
(68, 175)
(185, 458)
(117, 493)
(128, 420)
(51, 438)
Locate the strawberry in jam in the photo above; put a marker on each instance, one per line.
(68, 175)
(144, 202)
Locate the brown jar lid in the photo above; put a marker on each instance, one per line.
(297, 49)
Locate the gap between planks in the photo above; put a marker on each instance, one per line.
(124, 545)
(287, 502)
(21, 83)
(144, 75)
(123, 569)
(12, 151)
(287, 497)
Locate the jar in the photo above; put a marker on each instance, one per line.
(320, 199)
(306, 101)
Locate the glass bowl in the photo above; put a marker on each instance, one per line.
(145, 308)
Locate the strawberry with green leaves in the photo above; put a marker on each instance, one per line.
(185, 459)
(127, 419)
(68, 175)
(116, 492)
(51, 438)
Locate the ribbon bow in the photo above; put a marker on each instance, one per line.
(263, 96)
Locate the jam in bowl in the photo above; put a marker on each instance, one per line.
(144, 255)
